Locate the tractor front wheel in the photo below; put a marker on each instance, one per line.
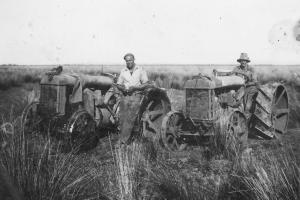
(171, 132)
(81, 131)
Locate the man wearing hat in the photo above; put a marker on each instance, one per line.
(244, 69)
(247, 93)
(249, 75)
(132, 80)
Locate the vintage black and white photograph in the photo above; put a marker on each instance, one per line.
(149, 100)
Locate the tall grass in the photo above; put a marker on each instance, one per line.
(128, 162)
(15, 78)
(247, 175)
(268, 175)
(39, 170)
(141, 171)
(141, 177)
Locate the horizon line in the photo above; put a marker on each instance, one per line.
(170, 64)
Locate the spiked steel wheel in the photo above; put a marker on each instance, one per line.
(152, 118)
(31, 119)
(171, 131)
(280, 111)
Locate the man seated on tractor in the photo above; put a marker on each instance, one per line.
(248, 93)
(132, 80)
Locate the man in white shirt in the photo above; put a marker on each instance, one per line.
(132, 78)
(131, 81)
(248, 93)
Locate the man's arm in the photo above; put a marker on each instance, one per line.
(217, 73)
(145, 83)
(119, 87)
(117, 84)
(120, 84)
(246, 74)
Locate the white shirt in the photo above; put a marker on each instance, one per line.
(138, 77)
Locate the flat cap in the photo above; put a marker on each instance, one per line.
(128, 54)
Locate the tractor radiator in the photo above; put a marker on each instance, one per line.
(198, 104)
(52, 100)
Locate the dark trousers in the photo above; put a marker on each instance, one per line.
(249, 96)
(129, 111)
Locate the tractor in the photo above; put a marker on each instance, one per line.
(71, 108)
(211, 105)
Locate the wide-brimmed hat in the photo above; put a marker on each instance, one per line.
(243, 56)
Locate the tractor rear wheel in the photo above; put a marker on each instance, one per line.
(152, 118)
(280, 111)
(271, 113)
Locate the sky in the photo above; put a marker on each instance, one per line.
(156, 31)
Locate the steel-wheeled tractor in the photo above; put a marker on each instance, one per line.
(213, 103)
(71, 108)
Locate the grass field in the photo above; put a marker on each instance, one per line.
(36, 169)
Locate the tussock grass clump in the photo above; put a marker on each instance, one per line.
(265, 175)
(140, 175)
(268, 175)
(38, 170)
(165, 181)
(267, 172)
(129, 160)
(223, 143)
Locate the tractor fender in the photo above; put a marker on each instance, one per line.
(154, 94)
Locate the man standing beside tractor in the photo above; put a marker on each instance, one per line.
(132, 80)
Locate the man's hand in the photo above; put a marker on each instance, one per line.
(244, 74)
(217, 73)
(132, 89)
(147, 85)
(141, 87)
(120, 88)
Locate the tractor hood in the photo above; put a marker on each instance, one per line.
(61, 79)
(205, 82)
(73, 79)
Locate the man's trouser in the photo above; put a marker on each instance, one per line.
(250, 92)
(129, 110)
